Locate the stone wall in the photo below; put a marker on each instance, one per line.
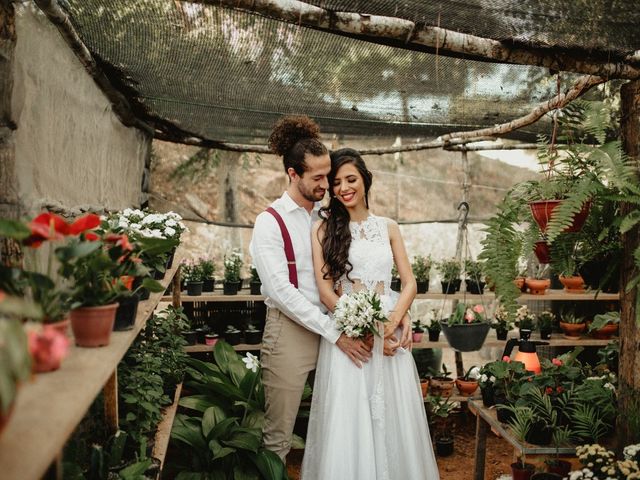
(70, 148)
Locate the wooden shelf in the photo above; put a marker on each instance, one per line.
(163, 434)
(48, 409)
(242, 347)
(560, 295)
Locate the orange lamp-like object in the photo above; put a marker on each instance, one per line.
(526, 351)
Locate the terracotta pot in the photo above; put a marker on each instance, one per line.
(542, 251)
(424, 386)
(466, 387)
(606, 332)
(62, 326)
(441, 386)
(542, 211)
(572, 330)
(537, 287)
(573, 284)
(520, 284)
(92, 326)
(417, 337)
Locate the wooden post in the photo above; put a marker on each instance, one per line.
(482, 428)
(176, 301)
(629, 362)
(110, 392)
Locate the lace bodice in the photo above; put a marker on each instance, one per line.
(370, 255)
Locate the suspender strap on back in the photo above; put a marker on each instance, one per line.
(288, 247)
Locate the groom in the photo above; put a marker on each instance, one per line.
(295, 316)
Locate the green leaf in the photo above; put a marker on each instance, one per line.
(629, 221)
(199, 403)
(152, 285)
(13, 229)
(212, 416)
(135, 471)
(246, 440)
(218, 450)
(297, 442)
(188, 436)
(245, 472)
(223, 428)
(270, 465)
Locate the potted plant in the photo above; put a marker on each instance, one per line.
(421, 267)
(395, 279)
(545, 324)
(208, 270)
(232, 335)
(450, 271)
(434, 328)
(232, 266)
(255, 284)
(211, 339)
(525, 320)
(572, 325)
(440, 409)
(252, 335)
(604, 325)
(566, 259)
(468, 383)
(520, 424)
(92, 267)
(467, 327)
(539, 282)
(503, 322)
(474, 272)
(193, 277)
(561, 436)
(441, 383)
(417, 331)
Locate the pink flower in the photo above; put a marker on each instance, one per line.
(556, 362)
(47, 345)
(469, 316)
(506, 358)
(478, 309)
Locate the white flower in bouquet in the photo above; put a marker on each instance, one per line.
(357, 314)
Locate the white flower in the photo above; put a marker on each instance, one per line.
(169, 232)
(171, 223)
(251, 362)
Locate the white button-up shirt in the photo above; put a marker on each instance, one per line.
(301, 304)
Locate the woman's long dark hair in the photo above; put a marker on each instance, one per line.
(337, 236)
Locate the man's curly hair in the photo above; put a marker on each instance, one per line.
(294, 136)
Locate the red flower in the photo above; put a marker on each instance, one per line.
(121, 241)
(548, 390)
(82, 224)
(506, 358)
(559, 389)
(91, 237)
(556, 362)
(46, 226)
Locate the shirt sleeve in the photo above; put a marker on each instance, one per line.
(267, 252)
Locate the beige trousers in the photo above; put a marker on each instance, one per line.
(289, 352)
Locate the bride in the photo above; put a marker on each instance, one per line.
(366, 423)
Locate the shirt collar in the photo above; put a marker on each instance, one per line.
(290, 205)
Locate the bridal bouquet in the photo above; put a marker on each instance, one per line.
(356, 314)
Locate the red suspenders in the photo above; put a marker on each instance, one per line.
(288, 247)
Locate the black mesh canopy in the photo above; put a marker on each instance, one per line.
(227, 75)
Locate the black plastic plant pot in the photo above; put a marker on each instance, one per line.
(209, 285)
(233, 338)
(488, 396)
(255, 288)
(501, 334)
(451, 287)
(475, 288)
(423, 286)
(465, 337)
(230, 288)
(539, 434)
(126, 313)
(194, 288)
(395, 284)
(252, 337)
(504, 415)
(158, 275)
(545, 334)
(191, 337)
(444, 446)
(142, 293)
(434, 335)
(201, 334)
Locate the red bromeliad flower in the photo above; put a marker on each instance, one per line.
(548, 390)
(559, 389)
(556, 362)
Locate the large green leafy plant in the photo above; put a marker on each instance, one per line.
(224, 440)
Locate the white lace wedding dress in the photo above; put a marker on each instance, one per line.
(368, 423)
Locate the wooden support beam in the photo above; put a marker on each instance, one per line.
(403, 33)
(110, 391)
(629, 361)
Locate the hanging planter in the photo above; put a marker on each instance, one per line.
(543, 209)
(542, 251)
(465, 338)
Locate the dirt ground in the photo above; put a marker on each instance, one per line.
(458, 466)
